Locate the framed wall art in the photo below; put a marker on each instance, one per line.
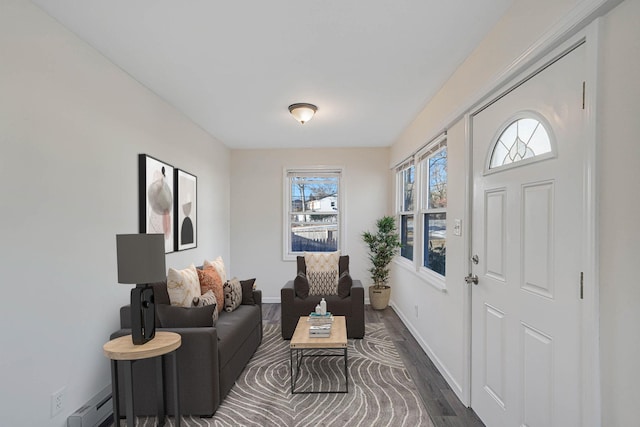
(156, 199)
(186, 213)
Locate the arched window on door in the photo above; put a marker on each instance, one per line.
(525, 138)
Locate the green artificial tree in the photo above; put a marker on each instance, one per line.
(384, 244)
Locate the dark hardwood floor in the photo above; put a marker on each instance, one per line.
(443, 406)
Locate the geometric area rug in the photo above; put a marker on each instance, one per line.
(381, 392)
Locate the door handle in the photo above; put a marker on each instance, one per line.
(471, 278)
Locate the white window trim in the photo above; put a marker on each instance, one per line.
(400, 205)
(429, 276)
(286, 201)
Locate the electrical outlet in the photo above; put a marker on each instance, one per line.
(57, 402)
(416, 308)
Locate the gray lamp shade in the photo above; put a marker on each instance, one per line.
(140, 258)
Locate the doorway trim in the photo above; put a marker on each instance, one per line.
(590, 369)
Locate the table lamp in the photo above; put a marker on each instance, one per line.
(141, 262)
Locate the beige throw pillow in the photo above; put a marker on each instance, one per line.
(322, 272)
(183, 286)
(232, 294)
(218, 264)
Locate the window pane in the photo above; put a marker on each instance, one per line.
(435, 238)
(522, 139)
(408, 181)
(406, 236)
(316, 194)
(312, 219)
(314, 233)
(438, 180)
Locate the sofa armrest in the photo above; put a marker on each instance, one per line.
(257, 296)
(357, 290)
(287, 293)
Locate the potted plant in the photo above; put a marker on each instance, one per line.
(383, 246)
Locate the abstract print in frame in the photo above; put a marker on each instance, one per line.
(186, 214)
(155, 193)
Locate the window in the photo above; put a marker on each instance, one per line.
(422, 211)
(406, 187)
(523, 139)
(433, 210)
(312, 211)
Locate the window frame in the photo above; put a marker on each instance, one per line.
(310, 171)
(423, 156)
(401, 210)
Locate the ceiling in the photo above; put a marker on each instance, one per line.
(234, 67)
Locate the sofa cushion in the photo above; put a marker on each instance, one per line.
(322, 272)
(234, 328)
(185, 317)
(301, 285)
(344, 284)
(247, 291)
(335, 305)
(210, 281)
(208, 298)
(183, 286)
(232, 294)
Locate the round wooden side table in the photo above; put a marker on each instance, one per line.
(123, 352)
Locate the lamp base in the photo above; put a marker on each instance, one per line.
(143, 314)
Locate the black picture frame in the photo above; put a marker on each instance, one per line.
(156, 199)
(186, 210)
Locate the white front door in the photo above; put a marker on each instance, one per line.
(526, 233)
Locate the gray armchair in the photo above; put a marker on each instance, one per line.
(349, 302)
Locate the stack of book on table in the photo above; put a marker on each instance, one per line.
(320, 325)
(319, 331)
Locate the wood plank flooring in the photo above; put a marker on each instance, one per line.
(443, 406)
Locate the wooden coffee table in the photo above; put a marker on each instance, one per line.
(335, 344)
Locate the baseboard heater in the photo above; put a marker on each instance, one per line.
(95, 412)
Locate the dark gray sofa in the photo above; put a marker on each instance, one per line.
(210, 359)
(292, 306)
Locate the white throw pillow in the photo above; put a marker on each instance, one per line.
(183, 286)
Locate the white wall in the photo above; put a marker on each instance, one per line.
(522, 25)
(257, 208)
(71, 127)
(439, 323)
(619, 208)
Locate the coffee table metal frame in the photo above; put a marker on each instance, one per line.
(333, 346)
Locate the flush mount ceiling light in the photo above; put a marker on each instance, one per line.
(302, 112)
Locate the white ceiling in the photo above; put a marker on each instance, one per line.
(234, 66)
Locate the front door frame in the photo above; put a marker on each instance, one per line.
(590, 402)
